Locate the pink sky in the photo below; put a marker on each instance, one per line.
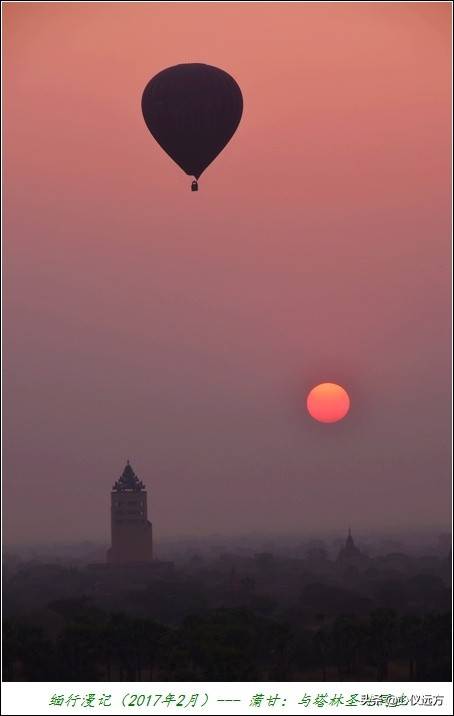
(183, 331)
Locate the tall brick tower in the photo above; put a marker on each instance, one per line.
(132, 539)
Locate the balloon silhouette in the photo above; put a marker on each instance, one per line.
(192, 111)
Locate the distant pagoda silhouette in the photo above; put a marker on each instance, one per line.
(132, 533)
(350, 552)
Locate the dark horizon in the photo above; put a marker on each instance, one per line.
(414, 536)
(213, 614)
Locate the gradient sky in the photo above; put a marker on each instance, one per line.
(183, 331)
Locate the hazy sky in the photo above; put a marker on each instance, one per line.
(183, 331)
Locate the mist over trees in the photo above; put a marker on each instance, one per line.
(308, 611)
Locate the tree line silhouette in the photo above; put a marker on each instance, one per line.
(227, 644)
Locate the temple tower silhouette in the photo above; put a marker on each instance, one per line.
(350, 551)
(131, 532)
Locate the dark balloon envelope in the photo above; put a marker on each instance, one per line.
(192, 111)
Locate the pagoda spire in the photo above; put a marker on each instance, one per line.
(349, 541)
(128, 480)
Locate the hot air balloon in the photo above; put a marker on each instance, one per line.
(192, 110)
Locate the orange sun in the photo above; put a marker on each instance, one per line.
(328, 403)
